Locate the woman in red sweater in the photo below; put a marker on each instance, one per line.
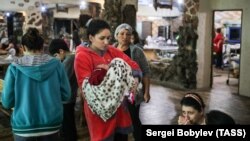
(99, 54)
(218, 46)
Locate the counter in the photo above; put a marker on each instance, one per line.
(155, 53)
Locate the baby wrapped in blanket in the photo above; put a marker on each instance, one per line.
(105, 90)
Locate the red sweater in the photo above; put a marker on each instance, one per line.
(218, 39)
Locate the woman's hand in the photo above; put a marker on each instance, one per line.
(146, 97)
(103, 66)
(136, 83)
(183, 120)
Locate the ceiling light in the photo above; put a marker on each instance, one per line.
(180, 1)
(83, 5)
(43, 9)
(8, 14)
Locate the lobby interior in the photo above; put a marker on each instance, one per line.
(164, 107)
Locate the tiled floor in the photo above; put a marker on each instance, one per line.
(164, 106)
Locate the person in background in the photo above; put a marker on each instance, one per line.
(193, 113)
(12, 48)
(20, 51)
(135, 39)
(3, 45)
(76, 40)
(59, 49)
(84, 21)
(123, 36)
(36, 89)
(3, 34)
(9, 46)
(98, 55)
(218, 47)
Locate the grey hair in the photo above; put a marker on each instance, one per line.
(121, 27)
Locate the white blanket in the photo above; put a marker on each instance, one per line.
(105, 98)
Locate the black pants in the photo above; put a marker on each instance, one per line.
(121, 137)
(69, 132)
(218, 60)
(134, 113)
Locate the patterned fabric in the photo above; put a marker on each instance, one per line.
(138, 56)
(105, 98)
(33, 60)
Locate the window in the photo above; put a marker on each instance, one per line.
(234, 34)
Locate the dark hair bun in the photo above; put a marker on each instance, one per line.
(32, 39)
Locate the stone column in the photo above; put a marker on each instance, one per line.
(120, 11)
(112, 14)
(129, 9)
(182, 70)
(186, 61)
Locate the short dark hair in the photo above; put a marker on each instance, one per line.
(97, 26)
(32, 39)
(193, 100)
(136, 37)
(57, 44)
(218, 30)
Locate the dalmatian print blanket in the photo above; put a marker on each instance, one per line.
(105, 98)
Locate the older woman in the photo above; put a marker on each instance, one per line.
(123, 36)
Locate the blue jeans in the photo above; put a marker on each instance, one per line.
(51, 137)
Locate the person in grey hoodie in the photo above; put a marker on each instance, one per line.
(36, 86)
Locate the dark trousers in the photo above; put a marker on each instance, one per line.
(52, 137)
(121, 137)
(218, 60)
(134, 113)
(69, 132)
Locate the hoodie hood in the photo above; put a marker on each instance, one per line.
(40, 69)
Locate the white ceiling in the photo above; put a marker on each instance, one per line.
(145, 7)
(22, 5)
(161, 12)
(227, 17)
